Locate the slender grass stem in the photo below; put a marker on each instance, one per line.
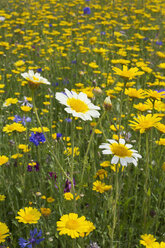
(146, 185)
(47, 141)
(87, 151)
(115, 206)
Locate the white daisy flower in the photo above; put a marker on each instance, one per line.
(121, 151)
(78, 105)
(34, 79)
(2, 18)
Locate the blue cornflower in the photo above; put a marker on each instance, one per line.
(74, 61)
(161, 90)
(37, 138)
(30, 243)
(87, 11)
(39, 70)
(17, 118)
(159, 43)
(59, 135)
(146, 39)
(25, 102)
(68, 119)
(24, 119)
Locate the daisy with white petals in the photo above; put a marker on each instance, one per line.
(78, 105)
(122, 152)
(34, 79)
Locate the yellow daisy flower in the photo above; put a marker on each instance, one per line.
(14, 127)
(45, 211)
(143, 123)
(154, 94)
(127, 73)
(3, 232)
(2, 197)
(28, 215)
(134, 93)
(3, 160)
(100, 187)
(148, 240)
(68, 196)
(73, 226)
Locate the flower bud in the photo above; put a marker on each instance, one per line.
(107, 103)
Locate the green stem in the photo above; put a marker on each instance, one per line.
(47, 141)
(115, 206)
(146, 185)
(72, 165)
(87, 151)
(121, 106)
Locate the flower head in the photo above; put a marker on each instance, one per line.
(143, 123)
(37, 138)
(127, 73)
(107, 103)
(68, 185)
(148, 241)
(9, 128)
(78, 105)
(134, 93)
(2, 197)
(68, 196)
(34, 79)
(121, 151)
(3, 160)
(154, 94)
(73, 226)
(28, 215)
(100, 187)
(45, 211)
(3, 232)
(34, 235)
(87, 11)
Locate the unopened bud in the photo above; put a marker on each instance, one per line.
(97, 90)
(107, 103)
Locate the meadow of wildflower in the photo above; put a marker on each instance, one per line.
(82, 133)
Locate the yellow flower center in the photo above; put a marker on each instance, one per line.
(77, 105)
(72, 224)
(149, 241)
(29, 217)
(120, 150)
(146, 124)
(35, 78)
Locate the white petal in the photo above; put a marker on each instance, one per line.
(111, 141)
(123, 161)
(68, 93)
(106, 152)
(104, 145)
(128, 146)
(134, 161)
(114, 160)
(122, 141)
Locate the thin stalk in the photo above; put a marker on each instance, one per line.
(47, 141)
(72, 165)
(115, 206)
(121, 106)
(87, 151)
(146, 184)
